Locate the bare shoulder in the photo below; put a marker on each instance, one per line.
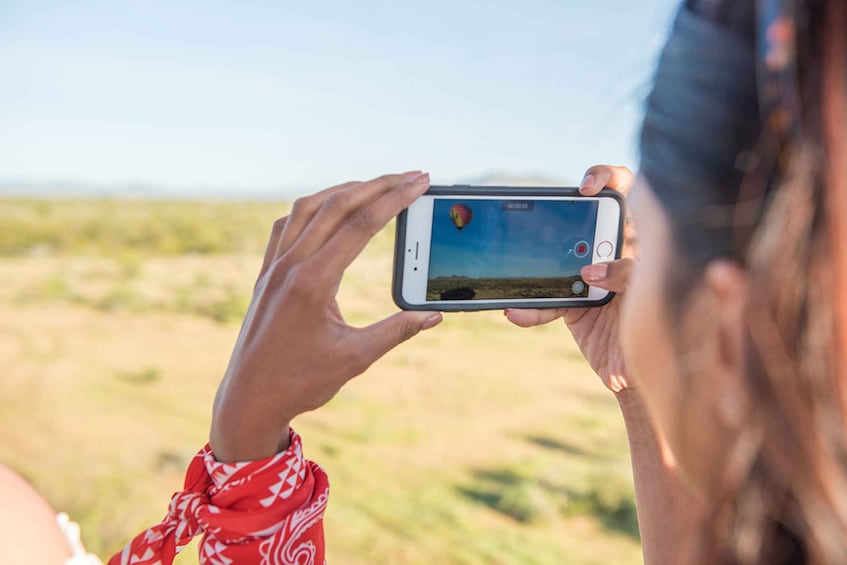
(28, 530)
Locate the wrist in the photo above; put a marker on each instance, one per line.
(238, 439)
(634, 411)
(640, 426)
(629, 401)
(246, 426)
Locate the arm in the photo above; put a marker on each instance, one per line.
(250, 492)
(28, 524)
(668, 513)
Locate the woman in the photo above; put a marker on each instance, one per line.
(723, 349)
(732, 320)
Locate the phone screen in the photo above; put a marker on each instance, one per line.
(500, 249)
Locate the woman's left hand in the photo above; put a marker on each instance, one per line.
(595, 330)
(295, 351)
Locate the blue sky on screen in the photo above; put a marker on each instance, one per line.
(298, 95)
(498, 243)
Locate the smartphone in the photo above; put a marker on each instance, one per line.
(467, 248)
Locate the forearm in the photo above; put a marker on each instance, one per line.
(669, 515)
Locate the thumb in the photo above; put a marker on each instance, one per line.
(612, 276)
(378, 339)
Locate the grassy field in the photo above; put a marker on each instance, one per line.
(475, 443)
(466, 288)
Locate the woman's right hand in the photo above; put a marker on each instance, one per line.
(596, 330)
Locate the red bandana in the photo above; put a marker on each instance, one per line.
(268, 511)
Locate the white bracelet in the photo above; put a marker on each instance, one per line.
(78, 554)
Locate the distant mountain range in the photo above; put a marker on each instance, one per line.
(66, 189)
(506, 178)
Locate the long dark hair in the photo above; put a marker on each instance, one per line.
(779, 207)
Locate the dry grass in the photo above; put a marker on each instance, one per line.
(475, 443)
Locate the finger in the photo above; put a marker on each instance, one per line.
(273, 243)
(599, 177)
(376, 340)
(530, 318)
(302, 212)
(338, 206)
(358, 228)
(612, 276)
(613, 383)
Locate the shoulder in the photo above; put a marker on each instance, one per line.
(28, 529)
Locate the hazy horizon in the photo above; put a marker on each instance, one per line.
(72, 189)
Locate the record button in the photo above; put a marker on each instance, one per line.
(604, 249)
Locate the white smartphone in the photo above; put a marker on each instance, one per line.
(482, 248)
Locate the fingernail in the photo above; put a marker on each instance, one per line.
(587, 183)
(431, 322)
(421, 179)
(595, 273)
(412, 175)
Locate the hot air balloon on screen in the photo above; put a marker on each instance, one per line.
(461, 215)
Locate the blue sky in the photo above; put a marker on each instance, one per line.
(515, 243)
(298, 95)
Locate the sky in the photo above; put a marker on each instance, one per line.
(499, 243)
(293, 96)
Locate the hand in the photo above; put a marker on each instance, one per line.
(596, 329)
(295, 351)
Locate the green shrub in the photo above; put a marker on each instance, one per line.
(228, 309)
(121, 298)
(610, 499)
(525, 501)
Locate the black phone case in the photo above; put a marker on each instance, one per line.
(505, 191)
